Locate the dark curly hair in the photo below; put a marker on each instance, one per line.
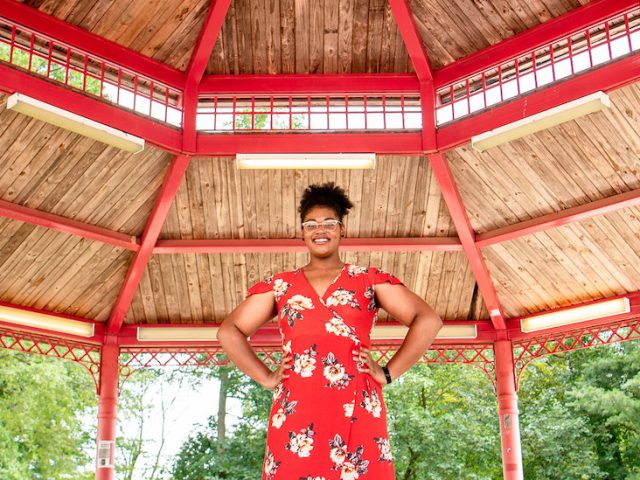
(326, 195)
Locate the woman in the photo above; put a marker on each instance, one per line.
(328, 419)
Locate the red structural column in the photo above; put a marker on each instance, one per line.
(508, 410)
(107, 405)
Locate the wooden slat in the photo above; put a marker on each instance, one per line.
(566, 166)
(171, 292)
(56, 272)
(52, 170)
(590, 260)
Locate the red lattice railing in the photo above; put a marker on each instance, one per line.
(132, 359)
(525, 351)
(577, 53)
(309, 113)
(83, 71)
(84, 354)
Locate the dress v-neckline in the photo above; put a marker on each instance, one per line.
(322, 297)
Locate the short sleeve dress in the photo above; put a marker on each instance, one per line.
(328, 420)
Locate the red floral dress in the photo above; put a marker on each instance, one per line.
(328, 420)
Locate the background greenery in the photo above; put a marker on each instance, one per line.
(580, 419)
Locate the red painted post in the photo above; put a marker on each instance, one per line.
(107, 405)
(508, 410)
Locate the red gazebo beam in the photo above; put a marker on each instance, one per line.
(207, 40)
(197, 65)
(412, 39)
(573, 21)
(434, 244)
(460, 219)
(172, 181)
(381, 143)
(14, 80)
(311, 84)
(553, 220)
(87, 42)
(65, 225)
(613, 75)
(388, 244)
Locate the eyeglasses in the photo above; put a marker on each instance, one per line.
(328, 225)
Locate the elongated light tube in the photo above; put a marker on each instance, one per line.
(305, 161)
(53, 323)
(398, 332)
(177, 334)
(575, 315)
(75, 123)
(541, 121)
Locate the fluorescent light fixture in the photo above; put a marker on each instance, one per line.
(177, 334)
(541, 121)
(305, 161)
(398, 332)
(575, 315)
(75, 123)
(26, 318)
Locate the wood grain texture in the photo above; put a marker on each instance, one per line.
(50, 169)
(575, 263)
(572, 164)
(400, 198)
(205, 288)
(52, 271)
(323, 36)
(166, 30)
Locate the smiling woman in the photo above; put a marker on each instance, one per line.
(328, 418)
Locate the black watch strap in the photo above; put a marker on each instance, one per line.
(387, 375)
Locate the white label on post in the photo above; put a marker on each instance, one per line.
(106, 453)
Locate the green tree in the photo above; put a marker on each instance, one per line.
(556, 442)
(44, 407)
(443, 424)
(606, 393)
(216, 452)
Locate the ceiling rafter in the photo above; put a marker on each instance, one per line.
(553, 220)
(290, 245)
(466, 234)
(197, 65)
(66, 225)
(173, 179)
(412, 39)
(550, 221)
(207, 40)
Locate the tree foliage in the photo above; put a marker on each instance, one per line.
(44, 407)
(238, 456)
(579, 419)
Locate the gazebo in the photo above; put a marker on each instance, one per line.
(506, 144)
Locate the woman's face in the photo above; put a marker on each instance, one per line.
(320, 231)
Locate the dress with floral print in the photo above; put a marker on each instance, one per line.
(328, 420)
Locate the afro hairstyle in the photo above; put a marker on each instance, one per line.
(326, 195)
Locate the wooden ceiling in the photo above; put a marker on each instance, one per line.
(49, 169)
(304, 36)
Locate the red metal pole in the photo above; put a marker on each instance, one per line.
(508, 410)
(107, 405)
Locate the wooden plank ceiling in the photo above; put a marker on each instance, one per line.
(54, 171)
(304, 36)
(578, 162)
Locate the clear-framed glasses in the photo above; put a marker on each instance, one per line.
(328, 225)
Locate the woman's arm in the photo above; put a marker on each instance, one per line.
(243, 322)
(410, 310)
